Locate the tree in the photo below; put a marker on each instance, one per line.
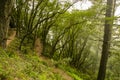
(5, 10)
(107, 39)
(34, 19)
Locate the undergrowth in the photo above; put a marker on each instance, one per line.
(14, 66)
(18, 66)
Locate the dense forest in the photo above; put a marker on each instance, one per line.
(52, 40)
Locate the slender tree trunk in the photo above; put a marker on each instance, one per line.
(107, 39)
(5, 10)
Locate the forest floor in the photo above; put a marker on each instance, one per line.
(14, 66)
(55, 69)
(11, 37)
(48, 61)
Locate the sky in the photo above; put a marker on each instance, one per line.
(83, 5)
(117, 13)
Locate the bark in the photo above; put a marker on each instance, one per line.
(5, 10)
(107, 39)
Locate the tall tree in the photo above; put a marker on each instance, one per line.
(107, 38)
(5, 10)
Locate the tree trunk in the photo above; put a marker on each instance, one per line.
(5, 10)
(107, 39)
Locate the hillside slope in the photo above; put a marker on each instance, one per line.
(14, 66)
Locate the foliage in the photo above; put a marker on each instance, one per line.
(71, 39)
(25, 67)
(34, 19)
(77, 75)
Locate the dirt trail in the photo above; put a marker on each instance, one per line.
(45, 59)
(11, 38)
(55, 69)
(63, 73)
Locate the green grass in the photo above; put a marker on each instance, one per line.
(24, 67)
(70, 71)
(16, 66)
(74, 73)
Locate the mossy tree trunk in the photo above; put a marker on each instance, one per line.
(5, 11)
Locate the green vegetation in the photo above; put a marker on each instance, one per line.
(44, 40)
(28, 66)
